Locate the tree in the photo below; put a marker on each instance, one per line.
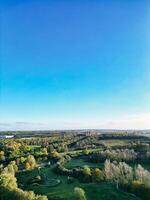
(107, 170)
(44, 151)
(50, 148)
(87, 171)
(8, 180)
(79, 193)
(31, 162)
(41, 198)
(97, 175)
(125, 175)
(19, 194)
(142, 175)
(11, 169)
(2, 156)
(27, 166)
(55, 154)
(86, 152)
(13, 163)
(118, 173)
(22, 160)
(87, 174)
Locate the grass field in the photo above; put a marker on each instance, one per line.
(145, 165)
(64, 191)
(80, 162)
(112, 143)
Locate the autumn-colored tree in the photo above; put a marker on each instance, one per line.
(8, 180)
(27, 166)
(13, 163)
(31, 162)
(2, 156)
(55, 154)
(97, 175)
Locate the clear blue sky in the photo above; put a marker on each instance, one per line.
(72, 64)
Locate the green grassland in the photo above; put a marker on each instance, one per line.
(64, 191)
(80, 162)
(115, 142)
(145, 165)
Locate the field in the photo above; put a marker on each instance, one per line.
(64, 191)
(102, 167)
(80, 162)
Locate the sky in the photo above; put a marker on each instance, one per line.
(70, 64)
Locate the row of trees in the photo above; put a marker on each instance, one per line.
(119, 155)
(121, 173)
(27, 163)
(135, 180)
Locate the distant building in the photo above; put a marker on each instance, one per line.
(6, 136)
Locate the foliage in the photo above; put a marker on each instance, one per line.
(30, 162)
(79, 193)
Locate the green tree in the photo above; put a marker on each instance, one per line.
(79, 193)
(87, 171)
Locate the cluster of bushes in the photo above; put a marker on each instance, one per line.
(85, 174)
(9, 188)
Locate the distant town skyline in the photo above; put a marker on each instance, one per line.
(74, 64)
